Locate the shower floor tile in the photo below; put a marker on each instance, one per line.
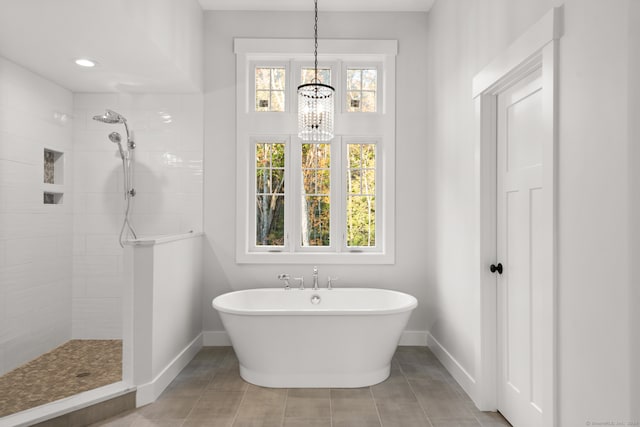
(73, 367)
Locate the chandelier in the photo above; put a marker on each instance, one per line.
(315, 102)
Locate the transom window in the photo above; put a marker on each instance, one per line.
(362, 88)
(306, 201)
(270, 88)
(309, 73)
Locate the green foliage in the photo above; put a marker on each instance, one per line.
(316, 209)
(361, 191)
(270, 194)
(316, 203)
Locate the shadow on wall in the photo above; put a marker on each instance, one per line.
(152, 211)
(213, 269)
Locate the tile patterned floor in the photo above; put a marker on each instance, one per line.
(210, 392)
(73, 367)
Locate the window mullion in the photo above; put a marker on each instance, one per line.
(337, 227)
(294, 194)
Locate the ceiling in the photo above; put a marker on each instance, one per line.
(323, 5)
(140, 45)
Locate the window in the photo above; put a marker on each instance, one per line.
(315, 167)
(361, 195)
(309, 73)
(270, 194)
(270, 88)
(362, 89)
(315, 202)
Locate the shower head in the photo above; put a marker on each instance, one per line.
(110, 117)
(115, 137)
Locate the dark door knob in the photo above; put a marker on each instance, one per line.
(495, 268)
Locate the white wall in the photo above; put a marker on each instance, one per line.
(634, 161)
(168, 181)
(35, 239)
(176, 29)
(594, 285)
(221, 272)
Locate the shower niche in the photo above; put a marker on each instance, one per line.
(53, 177)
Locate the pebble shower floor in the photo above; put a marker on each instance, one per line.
(73, 367)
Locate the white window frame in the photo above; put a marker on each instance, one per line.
(252, 127)
(251, 101)
(333, 194)
(379, 88)
(272, 139)
(379, 195)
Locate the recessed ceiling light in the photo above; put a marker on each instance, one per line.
(84, 62)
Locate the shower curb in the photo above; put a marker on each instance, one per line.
(93, 413)
(79, 410)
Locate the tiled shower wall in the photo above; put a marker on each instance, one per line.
(35, 239)
(168, 180)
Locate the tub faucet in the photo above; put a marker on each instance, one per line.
(315, 278)
(285, 278)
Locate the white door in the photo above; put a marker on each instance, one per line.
(523, 229)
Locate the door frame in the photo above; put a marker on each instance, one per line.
(537, 48)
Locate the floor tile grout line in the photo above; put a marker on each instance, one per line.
(200, 396)
(376, 406)
(415, 395)
(330, 409)
(217, 366)
(284, 408)
(244, 394)
(246, 388)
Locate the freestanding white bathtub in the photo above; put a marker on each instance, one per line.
(289, 338)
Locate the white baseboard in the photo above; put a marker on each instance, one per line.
(150, 391)
(221, 339)
(466, 381)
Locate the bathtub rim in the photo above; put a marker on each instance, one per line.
(412, 305)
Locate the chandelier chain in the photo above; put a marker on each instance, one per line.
(315, 52)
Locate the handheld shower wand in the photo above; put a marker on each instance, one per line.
(127, 156)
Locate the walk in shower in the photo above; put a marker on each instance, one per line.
(68, 205)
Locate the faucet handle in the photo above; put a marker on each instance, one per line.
(301, 280)
(286, 278)
(330, 280)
